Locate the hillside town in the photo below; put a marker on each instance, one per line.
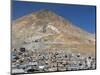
(25, 61)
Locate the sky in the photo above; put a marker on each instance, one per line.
(83, 16)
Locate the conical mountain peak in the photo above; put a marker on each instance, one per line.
(46, 24)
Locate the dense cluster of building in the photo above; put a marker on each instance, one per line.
(31, 61)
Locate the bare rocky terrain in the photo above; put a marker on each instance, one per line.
(43, 41)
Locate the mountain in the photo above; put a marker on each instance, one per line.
(45, 29)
